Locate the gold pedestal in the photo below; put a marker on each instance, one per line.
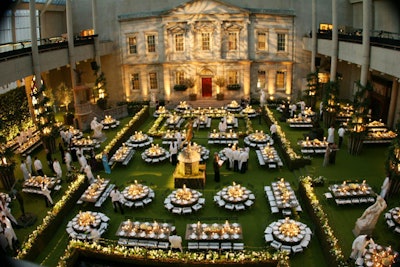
(195, 181)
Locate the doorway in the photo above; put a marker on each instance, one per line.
(206, 87)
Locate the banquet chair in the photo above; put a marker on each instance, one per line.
(248, 203)
(213, 245)
(132, 242)
(240, 207)
(238, 246)
(147, 200)
(297, 249)
(203, 245)
(275, 244)
(193, 245)
(201, 200)
(274, 210)
(139, 204)
(168, 206)
(268, 230)
(229, 206)
(176, 210)
(122, 241)
(268, 238)
(397, 229)
(186, 210)
(221, 203)
(286, 248)
(226, 246)
(197, 207)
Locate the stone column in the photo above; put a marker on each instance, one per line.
(335, 42)
(313, 34)
(70, 33)
(167, 83)
(367, 10)
(246, 79)
(289, 69)
(271, 81)
(95, 31)
(35, 50)
(13, 29)
(393, 104)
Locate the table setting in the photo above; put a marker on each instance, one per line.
(145, 230)
(95, 190)
(233, 106)
(123, 155)
(184, 200)
(139, 140)
(229, 137)
(79, 227)
(234, 197)
(109, 122)
(155, 154)
(249, 111)
(137, 195)
(258, 138)
(284, 195)
(215, 231)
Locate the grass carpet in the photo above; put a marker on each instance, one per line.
(369, 165)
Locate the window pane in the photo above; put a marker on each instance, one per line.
(232, 77)
(135, 81)
(232, 41)
(132, 45)
(180, 76)
(153, 80)
(151, 43)
(205, 41)
(280, 79)
(261, 79)
(179, 42)
(281, 42)
(261, 40)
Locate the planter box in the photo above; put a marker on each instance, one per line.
(220, 96)
(192, 97)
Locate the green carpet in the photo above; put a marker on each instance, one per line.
(369, 165)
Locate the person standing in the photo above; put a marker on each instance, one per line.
(331, 135)
(57, 168)
(273, 130)
(28, 162)
(68, 160)
(341, 132)
(106, 166)
(61, 149)
(385, 187)
(173, 150)
(116, 198)
(82, 162)
(94, 234)
(24, 170)
(332, 153)
(176, 241)
(89, 174)
(216, 166)
(359, 245)
(38, 166)
(326, 156)
(49, 160)
(46, 193)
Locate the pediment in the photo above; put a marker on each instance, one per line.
(196, 7)
(177, 27)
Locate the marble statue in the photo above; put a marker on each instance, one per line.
(96, 127)
(366, 223)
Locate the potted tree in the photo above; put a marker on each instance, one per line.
(220, 82)
(189, 83)
(65, 96)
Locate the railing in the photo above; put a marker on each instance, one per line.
(14, 50)
(379, 40)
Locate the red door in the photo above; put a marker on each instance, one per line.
(206, 87)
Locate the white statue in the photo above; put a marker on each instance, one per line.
(96, 127)
(366, 223)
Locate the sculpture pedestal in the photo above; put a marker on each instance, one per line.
(359, 230)
(195, 181)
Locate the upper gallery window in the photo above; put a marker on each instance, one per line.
(205, 41)
(151, 43)
(262, 41)
(280, 79)
(232, 77)
(132, 45)
(179, 42)
(281, 46)
(261, 79)
(233, 42)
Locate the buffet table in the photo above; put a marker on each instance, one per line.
(223, 138)
(170, 136)
(234, 197)
(137, 195)
(95, 190)
(79, 227)
(184, 201)
(204, 236)
(352, 193)
(282, 198)
(288, 235)
(34, 184)
(268, 156)
(84, 144)
(313, 146)
(123, 155)
(202, 121)
(29, 145)
(174, 121)
(144, 234)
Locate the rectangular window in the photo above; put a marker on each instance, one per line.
(280, 80)
(132, 45)
(232, 77)
(180, 77)
(205, 41)
(179, 42)
(232, 41)
(261, 79)
(281, 42)
(135, 81)
(261, 41)
(153, 80)
(151, 43)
